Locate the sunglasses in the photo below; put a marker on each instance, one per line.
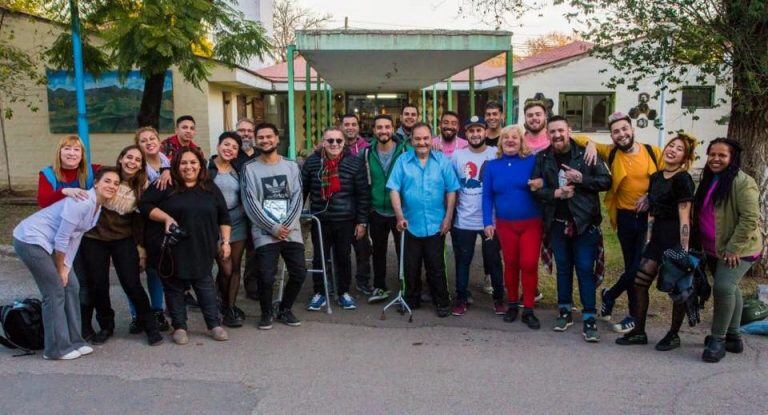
(338, 141)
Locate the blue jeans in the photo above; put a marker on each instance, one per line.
(155, 288)
(464, 250)
(580, 252)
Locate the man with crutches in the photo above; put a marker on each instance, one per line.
(423, 189)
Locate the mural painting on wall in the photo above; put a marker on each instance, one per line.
(548, 102)
(642, 112)
(111, 103)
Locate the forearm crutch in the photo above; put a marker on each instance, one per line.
(400, 299)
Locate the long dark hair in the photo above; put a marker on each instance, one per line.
(202, 177)
(725, 180)
(139, 180)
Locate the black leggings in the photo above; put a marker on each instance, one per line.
(95, 257)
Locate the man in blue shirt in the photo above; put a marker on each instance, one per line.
(423, 189)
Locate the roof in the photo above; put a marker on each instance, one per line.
(279, 72)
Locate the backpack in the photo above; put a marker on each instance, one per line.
(754, 310)
(22, 324)
(648, 148)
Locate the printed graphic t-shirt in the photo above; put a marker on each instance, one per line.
(469, 203)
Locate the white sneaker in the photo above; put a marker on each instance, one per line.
(487, 286)
(74, 354)
(85, 350)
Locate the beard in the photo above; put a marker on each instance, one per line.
(534, 131)
(383, 139)
(247, 145)
(448, 134)
(268, 150)
(627, 147)
(477, 144)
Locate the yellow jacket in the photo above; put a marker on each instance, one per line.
(617, 171)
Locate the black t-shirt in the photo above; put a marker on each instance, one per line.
(199, 213)
(664, 195)
(562, 211)
(492, 141)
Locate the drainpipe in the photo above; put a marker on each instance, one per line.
(77, 52)
(291, 101)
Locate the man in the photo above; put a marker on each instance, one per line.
(448, 141)
(423, 192)
(568, 190)
(493, 116)
(535, 126)
(468, 164)
(184, 137)
(380, 159)
(409, 116)
(631, 165)
(245, 129)
(337, 186)
(271, 194)
(356, 144)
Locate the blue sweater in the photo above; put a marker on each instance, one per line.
(505, 189)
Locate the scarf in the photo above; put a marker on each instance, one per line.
(329, 181)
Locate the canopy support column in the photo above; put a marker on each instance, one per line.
(450, 95)
(291, 100)
(328, 106)
(472, 92)
(308, 107)
(508, 103)
(434, 109)
(424, 104)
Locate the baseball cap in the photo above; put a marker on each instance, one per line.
(618, 116)
(474, 120)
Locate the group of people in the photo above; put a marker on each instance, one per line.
(529, 192)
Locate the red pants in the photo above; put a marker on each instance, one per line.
(520, 246)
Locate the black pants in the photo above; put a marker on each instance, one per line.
(205, 291)
(95, 262)
(380, 227)
(339, 236)
(631, 230)
(430, 252)
(250, 273)
(362, 248)
(264, 261)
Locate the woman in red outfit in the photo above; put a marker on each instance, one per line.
(70, 175)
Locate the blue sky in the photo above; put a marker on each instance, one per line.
(60, 79)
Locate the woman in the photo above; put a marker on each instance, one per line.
(47, 243)
(118, 237)
(193, 213)
(69, 175)
(517, 220)
(227, 179)
(727, 212)
(670, 196)
(158, 172)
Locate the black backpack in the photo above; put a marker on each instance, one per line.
(648, 148)
(22, 324)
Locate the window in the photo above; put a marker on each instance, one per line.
(698, 97)
(587, 111)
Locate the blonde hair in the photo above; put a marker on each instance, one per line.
(82, 168)
(143, 130)
(525, 151)
(689, 144)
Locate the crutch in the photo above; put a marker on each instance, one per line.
(400, 299)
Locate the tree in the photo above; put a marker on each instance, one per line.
(551, 40)
(726, 41)
(154, 35)
(287, 18)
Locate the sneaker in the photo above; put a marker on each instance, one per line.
(606, 308)
(624, 326)
(733, 343)
(631, 339)
(539, 296)
(265, 322)
(460, 308)
(180, 337)
(499, 308)
(530, 320)
(364, 288)
(85, 350)
(714, 351)
(162, 323)
(511, 314)
(487, 286)
(135, 327)
(316, 303)
(219, 334)
(443, 312)
(287, 318)
(378, 295)
(346, 302)
(74, 354)
(230, 318)
(563, 320)
(190, 300)
(590, 331)
(670, 342)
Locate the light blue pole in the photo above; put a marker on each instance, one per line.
(291, 103)
(77, 53)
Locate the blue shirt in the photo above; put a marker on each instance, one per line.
(422, 190)
(505, 189)
(60, 226)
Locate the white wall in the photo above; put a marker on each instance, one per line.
(258, 11)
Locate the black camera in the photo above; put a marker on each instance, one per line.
(173, 236)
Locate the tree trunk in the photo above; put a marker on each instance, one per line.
(149, 113)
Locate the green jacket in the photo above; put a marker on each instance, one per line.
(737, 219)
(377, 177)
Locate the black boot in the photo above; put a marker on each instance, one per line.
(86, 317)
(733, 343)
(714, 351)
(154, 337)
(106, 329)
(162, 323)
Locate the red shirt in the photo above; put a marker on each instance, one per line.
(46, 196)
(171, 145)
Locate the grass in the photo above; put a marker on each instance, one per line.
(10, 216)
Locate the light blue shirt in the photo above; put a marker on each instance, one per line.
(60, 226)
(422, 190)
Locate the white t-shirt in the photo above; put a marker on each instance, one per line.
(469, 203)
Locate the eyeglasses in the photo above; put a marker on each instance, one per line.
(243, 130)
(338, 141)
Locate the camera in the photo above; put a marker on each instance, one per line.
(173, 236)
